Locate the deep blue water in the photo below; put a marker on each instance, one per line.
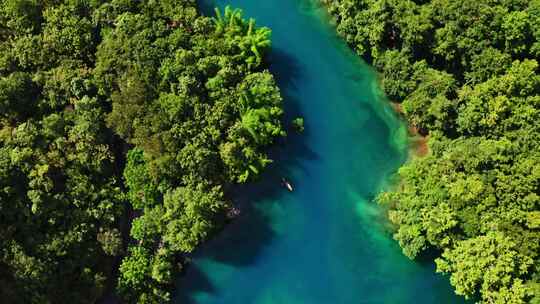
(327, 242)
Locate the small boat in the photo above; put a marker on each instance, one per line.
(233, 212)
(286, 184)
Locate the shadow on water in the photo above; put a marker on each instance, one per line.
(285, 69)
(243, 244)
(243, 239)
(206, 7)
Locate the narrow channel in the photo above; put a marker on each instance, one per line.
(326, 242)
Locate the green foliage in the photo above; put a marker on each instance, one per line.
(142, 192)
(59, 199)
(135, 282)
(490, 263)
(17, 96)
(429, 106)
(111, 241)
(143, 275)
(115, 113)
(399, 76)
(298, 124)
(466, 73)
(188, 213)
(191, 95)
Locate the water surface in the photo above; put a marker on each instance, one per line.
(325, 243)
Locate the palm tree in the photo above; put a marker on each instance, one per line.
(260, 40)
(253, 40)
(231, 19)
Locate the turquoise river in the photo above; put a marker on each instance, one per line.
(326, 242)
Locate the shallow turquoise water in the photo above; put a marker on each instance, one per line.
(326, 242)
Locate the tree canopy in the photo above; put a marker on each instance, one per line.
(122, 124)
(467, 75)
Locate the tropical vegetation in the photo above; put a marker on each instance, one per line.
(123, 124)
(466, 74)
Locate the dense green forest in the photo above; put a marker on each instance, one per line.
(123, 124)
(466, 74)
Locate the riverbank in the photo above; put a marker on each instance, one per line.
(466, 190)
(322, 243)
(417, 142)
